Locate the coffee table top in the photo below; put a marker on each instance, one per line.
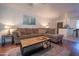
(34, 40)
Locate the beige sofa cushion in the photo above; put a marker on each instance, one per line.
(42, 30)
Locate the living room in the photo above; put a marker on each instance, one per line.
(39, 29)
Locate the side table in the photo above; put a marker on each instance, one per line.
(4, 37)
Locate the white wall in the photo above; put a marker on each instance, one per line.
(13, 14)
(15, 18)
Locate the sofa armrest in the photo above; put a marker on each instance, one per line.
(55, 37)
(16, 37)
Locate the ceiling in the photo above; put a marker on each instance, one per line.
(49, 10)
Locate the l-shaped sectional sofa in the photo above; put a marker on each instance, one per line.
(22, 33)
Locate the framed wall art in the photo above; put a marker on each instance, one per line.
(29, 20)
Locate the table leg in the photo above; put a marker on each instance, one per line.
(50, 44)
(12, 40)
(22, 49)
(3, 41)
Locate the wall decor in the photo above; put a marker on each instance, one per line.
(29, 20)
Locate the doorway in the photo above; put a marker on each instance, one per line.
(59, 25)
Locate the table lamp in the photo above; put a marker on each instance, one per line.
(9, 27)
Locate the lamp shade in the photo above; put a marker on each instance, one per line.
(10, 28)
(1, 26)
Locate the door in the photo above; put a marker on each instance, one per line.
(59, 25)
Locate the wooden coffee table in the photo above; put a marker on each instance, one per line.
(33, 41)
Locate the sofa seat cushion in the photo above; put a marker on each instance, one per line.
(55, 37)
(29, 36)
(23, 36)
(50, 31)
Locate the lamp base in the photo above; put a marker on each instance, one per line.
(8, 32)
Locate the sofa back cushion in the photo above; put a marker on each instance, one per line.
(42, 30)
(50, 31)
(35, 31)
(26, 31)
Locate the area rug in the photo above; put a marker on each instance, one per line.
(56, 50)
(72, 39)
